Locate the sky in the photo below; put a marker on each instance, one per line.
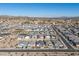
(40, 9)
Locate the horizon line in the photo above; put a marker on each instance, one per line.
(40, 16)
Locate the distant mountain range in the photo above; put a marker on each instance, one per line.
(47, 18)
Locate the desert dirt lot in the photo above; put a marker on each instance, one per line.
(8, 42)
(39, 53)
